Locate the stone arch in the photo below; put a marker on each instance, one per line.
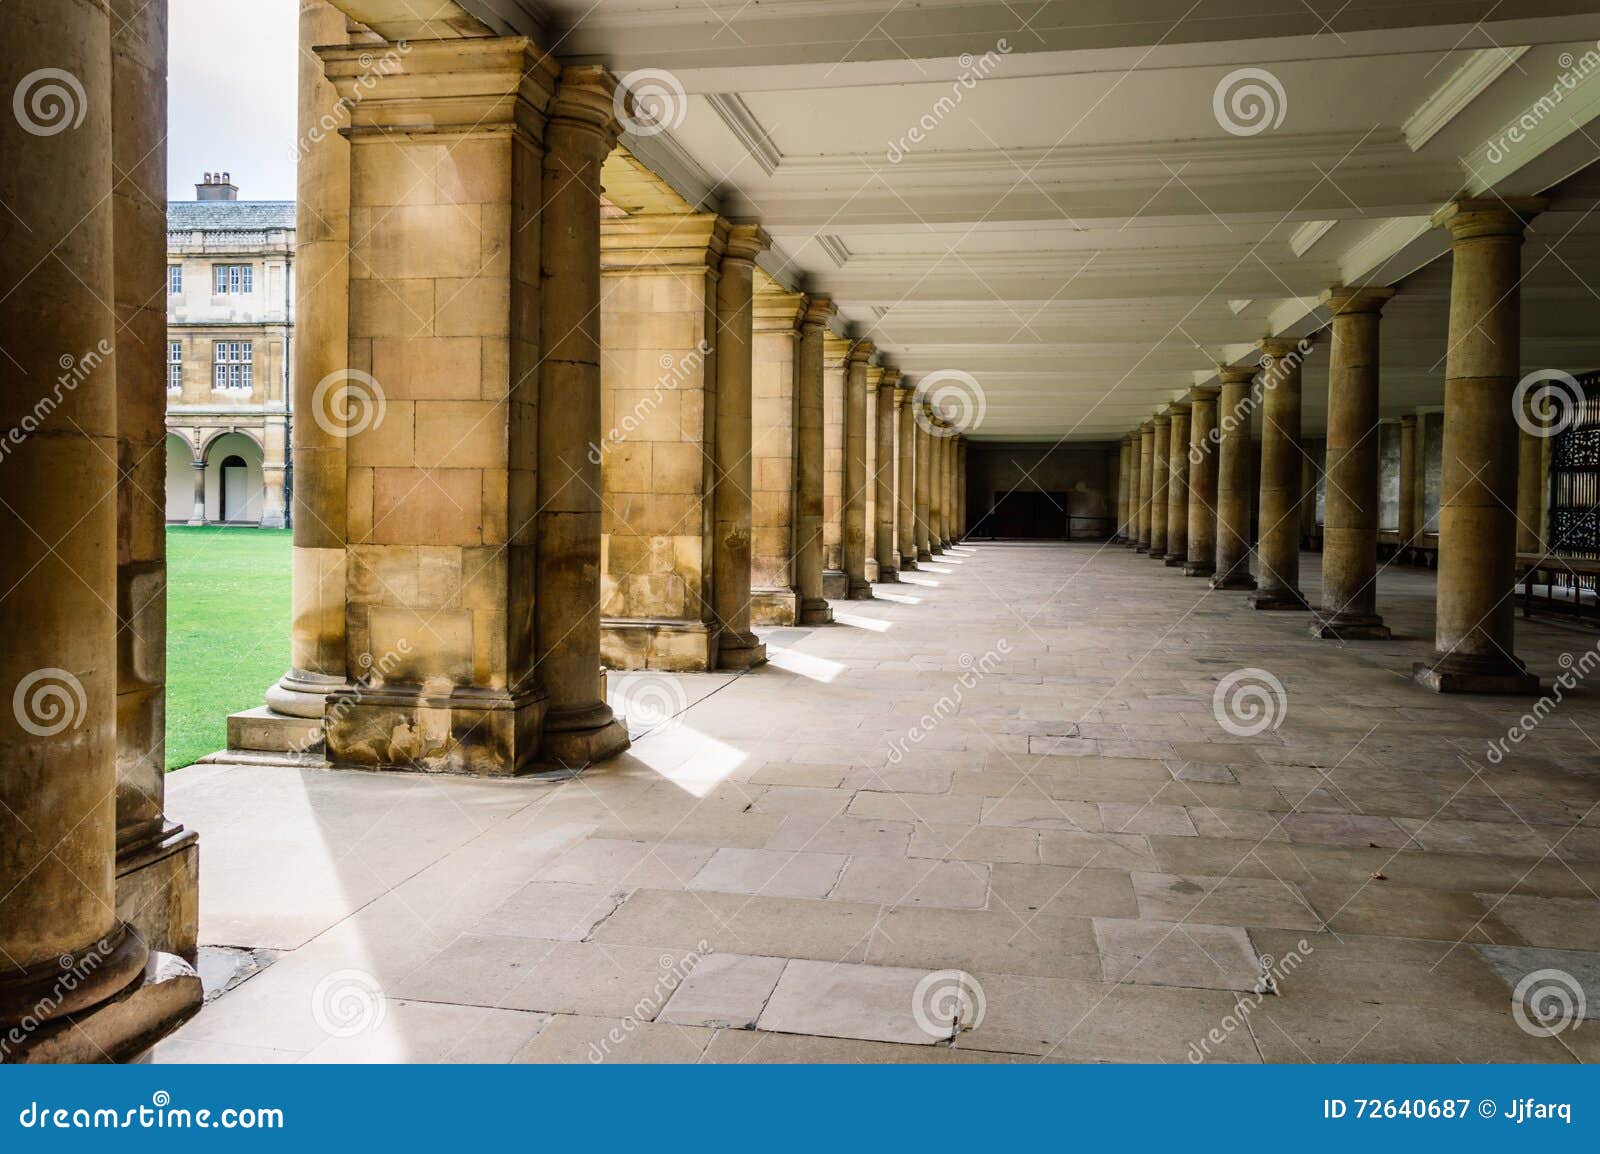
(180, 475)
(234, 495)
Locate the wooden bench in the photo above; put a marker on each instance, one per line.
(1577, 570)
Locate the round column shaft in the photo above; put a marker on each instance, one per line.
(1160, 471)
(883, 482)
(1147, 452)
(814, 608)
(855, 472)
(906, 479)
(1408, 480)
(1232, 569)
(1278, 543)
(1201, 558)
(1178, 486)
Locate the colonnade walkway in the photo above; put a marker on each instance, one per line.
(1080, 855)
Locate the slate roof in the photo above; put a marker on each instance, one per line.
(187, 215)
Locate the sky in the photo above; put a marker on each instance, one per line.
(231, 95)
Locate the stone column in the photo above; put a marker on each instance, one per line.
(1350, 517)
(199, 516)
(1124, 470)
(951, 526)
(58, 514)
(854, 500)
(885, 511)
(962, 524)
(869, 502)
(924, 497)
(1234, 448)
(321, 351)
(774, 405)
(1201, 559)
(1147, 453)
(936, 436)
(1178, 486)
(1408, 480)
(1131, 535)
(737, 646)
(1473, 643)
(835, 371)
(814, 608)
(1160, 471)
(1278, 547)
(906, 478)
(578, 724)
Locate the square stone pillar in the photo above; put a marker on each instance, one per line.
(775, 413)
(658, 377)
(906, 477)
(1474, 642)
(1147, 452)
(1201, 560)
(835, 352)
(854, 500)
(1278, 540)
(814, 608)
(439, 406)
(737, 646)
(883, 478)
(1178, 486)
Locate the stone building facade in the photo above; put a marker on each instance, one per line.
(230, 320)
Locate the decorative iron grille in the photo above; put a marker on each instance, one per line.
(1575, 479)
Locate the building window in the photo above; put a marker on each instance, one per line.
(231, 278)
(174, 279)
(174, 366)
(231, 366)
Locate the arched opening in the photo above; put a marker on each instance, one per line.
(180, 479)
(234, 485)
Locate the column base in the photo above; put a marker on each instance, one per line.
(158, 892)
(1350, 627)
(774, 606)
(924, 554)
(1455, 673)
(1233, 581)
(99, 971)
(908, 561)
(1173, 560)
(858, 590)
(1198, 569)
(935, 549)
(740, 650)
(1288, 600)
(265, 730)
(302, 694)
(816, 612)
(1141, 548)
(666, 643)
(870, 567)
(575, 738)
(835, 585)
(888, 575)
(160, 998)
(459, 729)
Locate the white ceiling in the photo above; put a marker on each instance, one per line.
(1079, 231)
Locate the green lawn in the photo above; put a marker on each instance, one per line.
(227, 630)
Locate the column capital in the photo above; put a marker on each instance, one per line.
(466, 85)
(902, 394)
(861, 352)
(745, 243)
(1279, 348)
(585, 98)
(775, 309)
(655, 241)
(1408, 419)
(1200, 394)
(890, 379)
(1179, 407)
(835, 349)
(1236, 374)
(1164, 417)
(1345, 300)
(818, 311)
(1146, 427)
(1471, 217)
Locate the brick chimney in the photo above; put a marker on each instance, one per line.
(216, 186)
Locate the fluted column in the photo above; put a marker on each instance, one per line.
(1178, 486)
(1201, 558)
(924, 466)
(1233, 479)
(321, 352)
(906, 478)
(1160, 470)
(1350, 515)
(1474, 631)
(58, 514)
(1408, 479)
(737, 646)
(1278, 544)
(1147, 452)
(578, 724)
(855, 472)
(883, 482)
(814, 608)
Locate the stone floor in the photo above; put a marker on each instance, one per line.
(994, 815)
